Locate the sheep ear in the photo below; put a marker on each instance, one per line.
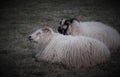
(47, 29)
(62, 20)
(77, 17)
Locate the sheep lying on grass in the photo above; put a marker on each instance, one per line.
(72, 51)
(97, 30)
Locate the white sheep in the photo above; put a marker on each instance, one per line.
(72, 51)
(97, 30)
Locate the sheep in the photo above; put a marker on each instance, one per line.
(71, 51)
(97, 30)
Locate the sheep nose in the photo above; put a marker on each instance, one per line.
(30, 38)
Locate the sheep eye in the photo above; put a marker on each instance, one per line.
(38, 33)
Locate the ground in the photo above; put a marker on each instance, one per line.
(20, 18)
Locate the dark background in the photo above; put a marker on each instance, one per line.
(19, 18)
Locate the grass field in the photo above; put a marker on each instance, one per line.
(20, 18)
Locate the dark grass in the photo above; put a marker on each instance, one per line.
(20, 18)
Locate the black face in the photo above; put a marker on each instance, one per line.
(64, 25)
